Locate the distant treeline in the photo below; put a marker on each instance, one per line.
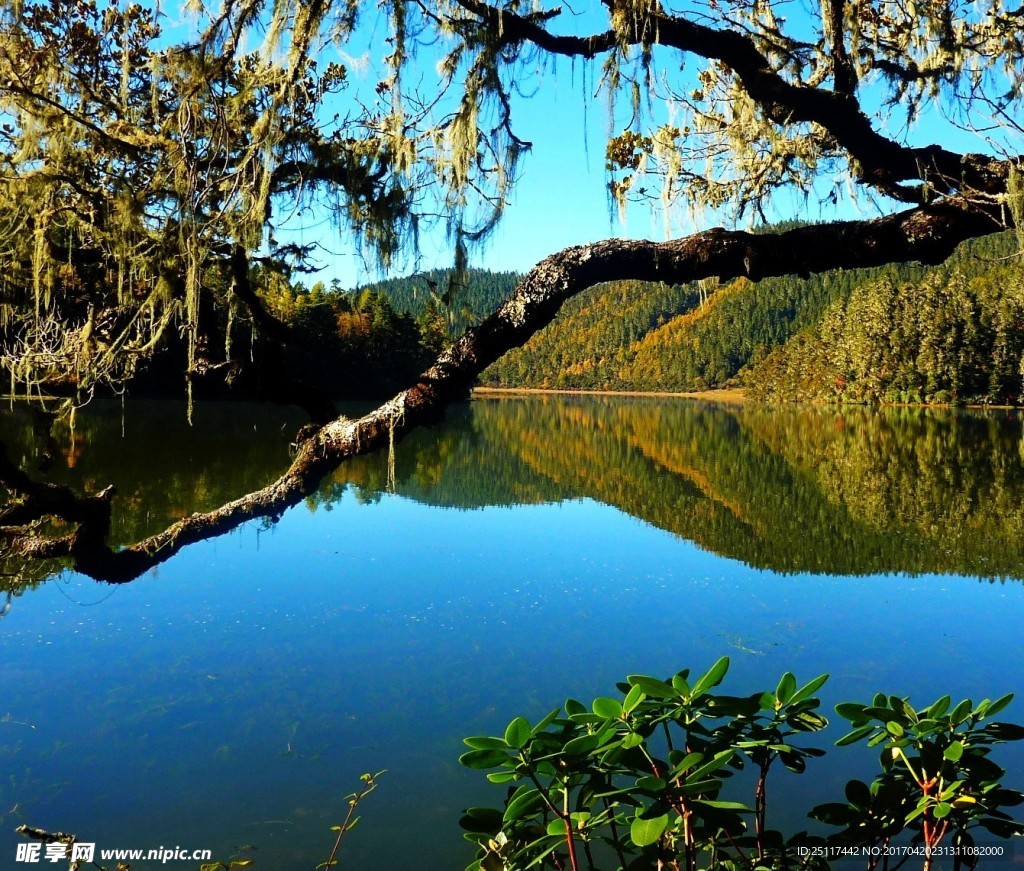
(899, 333)
(353, 344)
(462, 300)
(374, 340)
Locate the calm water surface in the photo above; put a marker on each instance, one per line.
(526, 551)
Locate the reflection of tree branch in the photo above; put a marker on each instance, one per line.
(34, 501)
(927, 234)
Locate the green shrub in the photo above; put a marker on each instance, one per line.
(636, 782)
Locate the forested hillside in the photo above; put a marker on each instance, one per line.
(954, 335)
(461, 300)
(900, 333)
(631, 336)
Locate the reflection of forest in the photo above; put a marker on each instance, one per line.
(163, 467)
(791, 489)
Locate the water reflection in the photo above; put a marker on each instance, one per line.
(239, 693)
(853, 491)
(856, 491)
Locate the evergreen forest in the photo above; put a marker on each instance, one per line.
(898, 333)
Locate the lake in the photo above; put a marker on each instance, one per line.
(525, 551)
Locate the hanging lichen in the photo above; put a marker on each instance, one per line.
(1015, 202)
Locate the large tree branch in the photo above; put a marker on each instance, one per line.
(882, 162)
(928, 234)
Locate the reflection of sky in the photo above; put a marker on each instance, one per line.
(236, 696)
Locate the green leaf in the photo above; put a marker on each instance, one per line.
(680, 682)
(938, 708)
(808, 689)
(632, 739)
(787, 686)
(1005, 731)
(807, 721)
(482, 742)
(923, 728)
(999, 705)
(652, 687)
(852, 711)
(239, 863)
(485, 820)
(502, 776)
(855, 736)
(651, 784)
(794, 762)
(519, 731)
(643, 833)
(961, 712)
(712, 678)
(909, 711)
(884, 714)
(1001, 828)
(858, 794)
(573, 707)
(942, 810)
(710, 786)
(480, 759)
(725, 806)
(685, 760)
(609, 709)
(894, 728)
(633, 698)
(557, 827)
(954, 752)
(582, 745)
(581, 818)
(522, 804)
(547, 721)
(951, 790)
(915, 813)
(716, 762)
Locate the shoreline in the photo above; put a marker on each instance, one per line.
(724, 395)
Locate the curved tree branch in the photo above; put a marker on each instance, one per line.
(882, 162)
(927, 234)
